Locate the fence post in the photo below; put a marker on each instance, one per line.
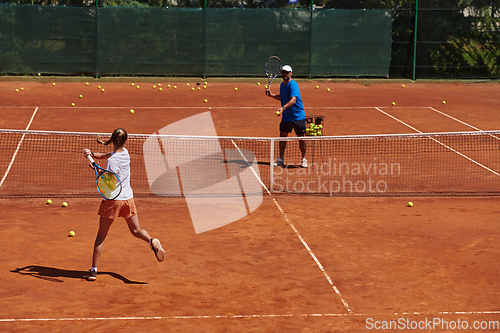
(204, 74)
(415, 40)
(96, 36)
(310, 40)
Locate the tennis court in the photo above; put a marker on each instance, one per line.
(297, 263)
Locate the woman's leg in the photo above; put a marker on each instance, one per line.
(135, 229)
(104, 225)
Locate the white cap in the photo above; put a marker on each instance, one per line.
(287, 68)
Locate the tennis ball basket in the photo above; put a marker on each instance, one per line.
(314, 126)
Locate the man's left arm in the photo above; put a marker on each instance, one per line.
(289, 104)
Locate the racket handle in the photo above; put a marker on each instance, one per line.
(90, 159)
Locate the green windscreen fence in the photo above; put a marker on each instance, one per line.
(58, 40)
(193, 42)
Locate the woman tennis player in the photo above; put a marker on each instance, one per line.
(118, 161)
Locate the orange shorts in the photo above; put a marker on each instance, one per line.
(113, 209)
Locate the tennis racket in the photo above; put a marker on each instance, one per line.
(272, 68)
(108, 183)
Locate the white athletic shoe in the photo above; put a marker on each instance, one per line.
(158, 250)
(304, 163)
(279, 162)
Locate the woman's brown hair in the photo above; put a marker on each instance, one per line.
(119, 137)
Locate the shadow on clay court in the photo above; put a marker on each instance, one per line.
(55, 274)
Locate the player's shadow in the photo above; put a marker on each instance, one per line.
(55, 274)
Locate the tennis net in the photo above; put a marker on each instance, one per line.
(51, 164)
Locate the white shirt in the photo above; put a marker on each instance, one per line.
(119, 163)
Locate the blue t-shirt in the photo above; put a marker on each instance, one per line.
(287, 91)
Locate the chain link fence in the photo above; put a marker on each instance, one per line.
(441, 39)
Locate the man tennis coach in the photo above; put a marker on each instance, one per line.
(293, 113)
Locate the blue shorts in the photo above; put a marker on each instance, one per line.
(299, 126)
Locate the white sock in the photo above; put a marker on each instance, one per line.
(94, 269)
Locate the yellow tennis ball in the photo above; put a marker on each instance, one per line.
(192, 88)
(132, 111)
(160, 89)
(17, 90)
(159, 84)
(98, 87)
(49, 202)
(204, 87)
(236, 89)
(72, 233)
(266, 87)
(205, 82)
(168, 85)
(131, 84)
(39, 74)
(258, 83)
(154, 87)
(65, 204)
(102, 89)
(317, 87)
(138, 87)
(72, 104)
(175, 87)
(86, 83)
(410, 204)
(81, 96)
(187, 84)
(206, 101)
(327, 89)
(22, 88)
(53, 83)
(393, 103)
(277, 113)
(199, 88)
(444, 102)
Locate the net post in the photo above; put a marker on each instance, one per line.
(271, 166)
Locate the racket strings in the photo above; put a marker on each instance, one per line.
(109, 185)
(273, 66)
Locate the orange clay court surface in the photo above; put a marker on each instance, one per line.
(320, 265)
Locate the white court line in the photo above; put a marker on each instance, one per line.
(264, 316)
(439, 142)
(203, 107)
(17, 149)
(283, 214)
(460, 121)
